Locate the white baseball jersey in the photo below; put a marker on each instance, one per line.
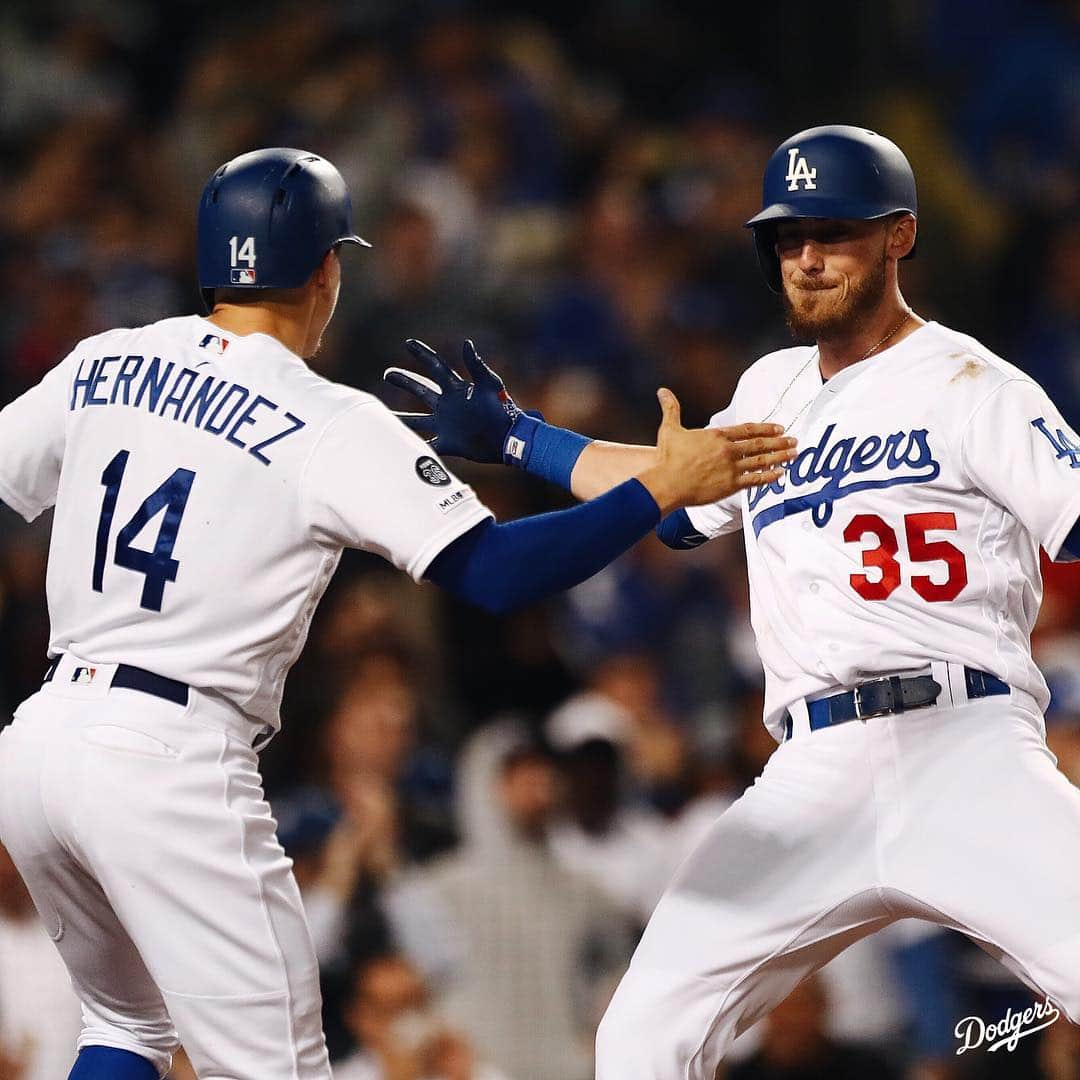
(908, 528)
(205, 485)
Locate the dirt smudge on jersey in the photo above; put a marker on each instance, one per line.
(972, 367)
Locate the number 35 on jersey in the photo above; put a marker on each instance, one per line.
(885, 573)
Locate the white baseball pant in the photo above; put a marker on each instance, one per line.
(141, 830)
(953, 814)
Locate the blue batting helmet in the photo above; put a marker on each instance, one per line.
(834, 171)
(267, 218)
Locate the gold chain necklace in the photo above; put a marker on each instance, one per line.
(816, 355)
(894, 330)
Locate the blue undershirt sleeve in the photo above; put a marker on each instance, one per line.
(503, 566)
(677, 531)
(1070, 546)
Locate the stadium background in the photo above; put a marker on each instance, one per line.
(482, 810)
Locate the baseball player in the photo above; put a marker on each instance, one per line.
(205, 483)
(894, 579)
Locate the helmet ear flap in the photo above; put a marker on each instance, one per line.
(765, 245)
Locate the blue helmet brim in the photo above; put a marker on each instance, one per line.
(831, 209)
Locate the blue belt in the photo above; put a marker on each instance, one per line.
(129, 677)
(889, 695)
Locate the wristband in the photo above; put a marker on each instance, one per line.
(542, 449)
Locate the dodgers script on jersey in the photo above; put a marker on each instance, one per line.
(908, 527)
(205, 485)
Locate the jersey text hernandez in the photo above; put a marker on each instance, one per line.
(216, 406)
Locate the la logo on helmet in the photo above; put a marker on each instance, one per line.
(799, 169)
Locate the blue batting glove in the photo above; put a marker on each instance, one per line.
(471, 420)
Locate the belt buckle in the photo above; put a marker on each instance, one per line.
(860, 712)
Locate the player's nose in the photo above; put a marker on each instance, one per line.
(810, 257)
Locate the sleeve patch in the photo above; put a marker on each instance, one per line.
(431, 472)
(1064, 445)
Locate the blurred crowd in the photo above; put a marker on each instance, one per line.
(483, 811)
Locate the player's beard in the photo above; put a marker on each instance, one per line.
(824, 316)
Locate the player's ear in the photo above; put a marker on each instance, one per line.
(325, 270)
(901, 235)
(325, 274)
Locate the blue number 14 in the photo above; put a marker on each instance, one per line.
(157, 566)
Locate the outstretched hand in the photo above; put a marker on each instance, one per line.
(695, 467)
(467, 419)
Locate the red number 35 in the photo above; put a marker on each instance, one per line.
(883, 557)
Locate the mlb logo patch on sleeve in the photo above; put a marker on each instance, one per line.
(454, 499)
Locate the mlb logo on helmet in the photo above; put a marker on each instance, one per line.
(242, 276)
(83, 675)
(799, 169)
(214, 343)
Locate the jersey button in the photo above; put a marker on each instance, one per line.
(814, 587)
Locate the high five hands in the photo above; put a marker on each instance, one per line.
(472, 418)
(696, 466)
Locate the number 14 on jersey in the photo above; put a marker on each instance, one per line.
(157, 566)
